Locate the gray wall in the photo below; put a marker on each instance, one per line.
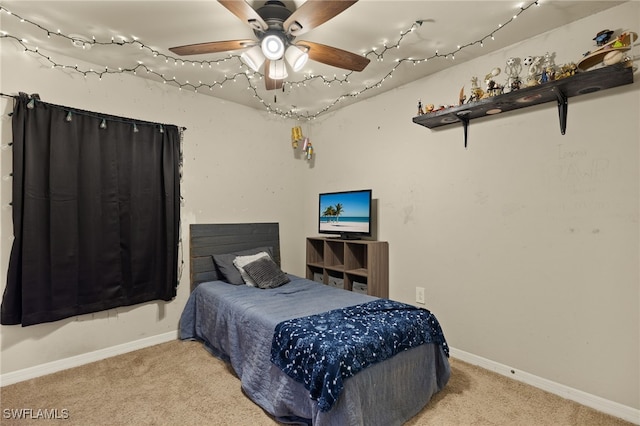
(527, 243)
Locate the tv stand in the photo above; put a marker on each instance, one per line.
(361, 265)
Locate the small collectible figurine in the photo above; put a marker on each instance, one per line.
(533, 62)
(549, 66)
(567, 70)
(420, 110)
(461, 96)
(476, 91)
(513, 69)
(603, 37)
(493, 88)
(624, 40)
(544, 77)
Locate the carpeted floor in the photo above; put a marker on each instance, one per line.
(180, 383)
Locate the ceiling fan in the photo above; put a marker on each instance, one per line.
(276, 28)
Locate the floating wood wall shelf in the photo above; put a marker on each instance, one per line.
(557, 90)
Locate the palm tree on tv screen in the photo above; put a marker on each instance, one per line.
(333, 211)
(338, 211)
(329, 211)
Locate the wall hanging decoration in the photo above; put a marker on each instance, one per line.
(307, 148)
(297, 137)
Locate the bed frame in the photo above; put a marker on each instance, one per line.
(209, 239)
(403, 384)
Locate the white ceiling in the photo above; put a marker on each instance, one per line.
(369, 24)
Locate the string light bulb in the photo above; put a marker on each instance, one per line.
(251, 86)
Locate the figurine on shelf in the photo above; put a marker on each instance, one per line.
(613, 57)
(430, 108)
(493, 88)
(544, 77)
(515, 85)
(549, 61)
(567, 70)
(548, 68)
(461, 96)
(603, 37)
(533, 62)
(420, 110)
(476, 91)
(513, 69)
(622, 42)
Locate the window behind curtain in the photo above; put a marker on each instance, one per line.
(96, 212)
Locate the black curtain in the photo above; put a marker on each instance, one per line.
(96, 212)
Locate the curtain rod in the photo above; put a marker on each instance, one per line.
(80, 111)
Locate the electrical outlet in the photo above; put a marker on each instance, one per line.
(420, 295)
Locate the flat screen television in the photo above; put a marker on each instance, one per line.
(346, 214)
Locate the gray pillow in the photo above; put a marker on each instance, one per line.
(266, 273)
(228, 271)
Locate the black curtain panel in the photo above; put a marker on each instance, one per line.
(96, 212)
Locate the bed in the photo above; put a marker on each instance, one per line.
(251, 328)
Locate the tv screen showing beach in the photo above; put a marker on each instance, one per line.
(345, 212)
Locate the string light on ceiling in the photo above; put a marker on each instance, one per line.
(245, 65)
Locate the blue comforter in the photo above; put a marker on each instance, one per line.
(237, 323)
(321, 350)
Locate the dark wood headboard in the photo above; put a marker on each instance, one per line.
(208, 239)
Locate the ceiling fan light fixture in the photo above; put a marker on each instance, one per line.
(278, 70)
(253, 58)
(296, 57)
(272, 47)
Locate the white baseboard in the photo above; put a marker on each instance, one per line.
(75, 361)
(597, 403)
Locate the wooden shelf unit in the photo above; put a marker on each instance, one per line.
(353, 261)
(552, 91)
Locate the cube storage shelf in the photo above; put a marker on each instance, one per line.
(359, 264)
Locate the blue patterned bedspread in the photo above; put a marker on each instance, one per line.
(322, 350)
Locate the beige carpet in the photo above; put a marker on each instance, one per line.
(179, 383)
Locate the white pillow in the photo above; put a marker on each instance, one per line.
(241, 261)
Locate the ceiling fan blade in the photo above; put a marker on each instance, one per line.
(270, 83)
(212, 47)
(313, 13)
(246, 13)
(334, 56)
